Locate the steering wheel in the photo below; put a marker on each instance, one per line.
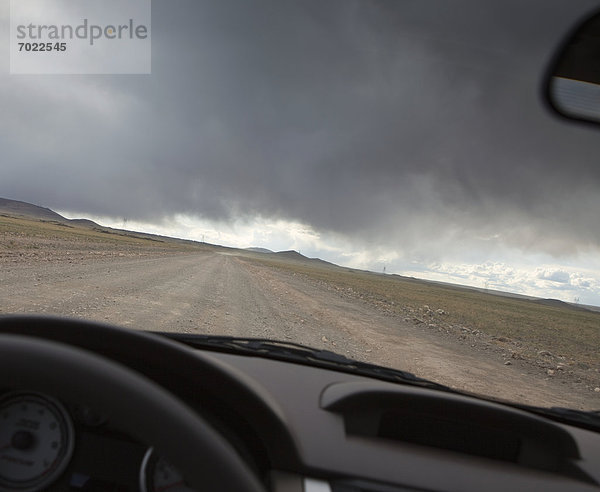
(146, 410)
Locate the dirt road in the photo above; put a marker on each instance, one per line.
(220, 293)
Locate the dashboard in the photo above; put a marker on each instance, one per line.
(48, 445)
(293, 427)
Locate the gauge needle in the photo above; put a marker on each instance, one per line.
(52, 465)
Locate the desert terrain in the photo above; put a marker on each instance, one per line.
(534, 352)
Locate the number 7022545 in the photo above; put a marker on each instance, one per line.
(42, 46)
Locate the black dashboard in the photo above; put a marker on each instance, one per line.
(295, 427)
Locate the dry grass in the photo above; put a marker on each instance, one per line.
(564, 331)
(38, 239)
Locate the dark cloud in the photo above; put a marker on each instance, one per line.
(395, 122)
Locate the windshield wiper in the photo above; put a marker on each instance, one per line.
(301, 354)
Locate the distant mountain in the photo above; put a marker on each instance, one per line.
(24, 209)
(291, 255)
(84, 222)
(259, 250)
(295, 256)
(17, 208)
(561, 304)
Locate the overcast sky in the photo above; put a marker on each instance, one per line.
(404, 134)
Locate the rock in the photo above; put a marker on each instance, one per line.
(597, 390)
(324, 339)
(441, 311)
(545, 353)
(508, 363)
(550, 372)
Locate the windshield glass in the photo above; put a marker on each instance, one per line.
(376, 178)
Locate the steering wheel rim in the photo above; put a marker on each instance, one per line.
(136, 403)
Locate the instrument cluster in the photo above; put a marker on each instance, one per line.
(47, 445)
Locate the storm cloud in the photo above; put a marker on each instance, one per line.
(401, 123)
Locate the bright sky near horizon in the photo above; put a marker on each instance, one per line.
(537, 275)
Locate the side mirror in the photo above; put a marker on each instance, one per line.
(572, 86)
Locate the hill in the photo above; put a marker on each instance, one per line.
(24, 209)
(259, 250)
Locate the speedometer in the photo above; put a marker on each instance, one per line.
(157, 475)
(36, 441)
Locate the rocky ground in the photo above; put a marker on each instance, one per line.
(213, 291)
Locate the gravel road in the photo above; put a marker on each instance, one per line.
(221, 293)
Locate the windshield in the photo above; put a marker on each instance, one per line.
(380, 179)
